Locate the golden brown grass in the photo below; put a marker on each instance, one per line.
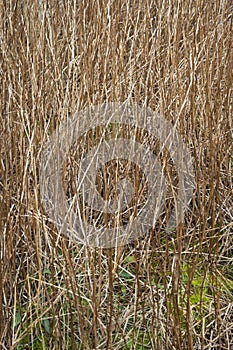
(162, 292)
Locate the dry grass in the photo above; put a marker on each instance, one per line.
(162, 292)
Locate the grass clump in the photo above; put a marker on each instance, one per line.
(163, 291)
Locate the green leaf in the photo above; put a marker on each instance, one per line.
(17, 319)
(125, 274)
(46, 325)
